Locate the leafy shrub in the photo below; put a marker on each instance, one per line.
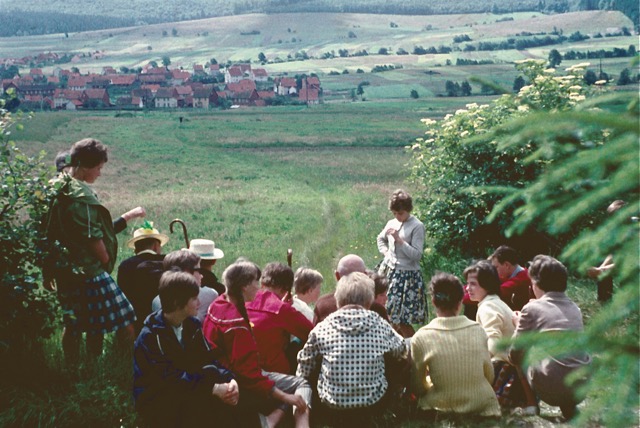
(29, 311)
(452, 172)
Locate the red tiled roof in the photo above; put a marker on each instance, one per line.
(242, 86)
(95, 93)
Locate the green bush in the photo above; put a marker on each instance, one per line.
(28, 310)
(459, 157)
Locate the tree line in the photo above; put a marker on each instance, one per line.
(33, 17)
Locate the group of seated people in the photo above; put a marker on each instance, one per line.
(260, 354)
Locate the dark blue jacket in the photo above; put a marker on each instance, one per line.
(166, 371)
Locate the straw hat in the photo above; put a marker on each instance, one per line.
(147, 233)
(206, 249)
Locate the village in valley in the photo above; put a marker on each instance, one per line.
(155, 87)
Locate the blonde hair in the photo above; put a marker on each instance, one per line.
(306, 279)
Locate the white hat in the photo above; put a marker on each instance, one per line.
(147, 233)
(206, 249)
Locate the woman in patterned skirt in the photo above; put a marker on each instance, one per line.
(401, 242)
(91, 300)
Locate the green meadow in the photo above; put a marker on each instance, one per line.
(256, 181)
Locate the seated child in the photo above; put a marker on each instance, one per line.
(177, 382)
(307, 284)
(553, 311)
(452, 371)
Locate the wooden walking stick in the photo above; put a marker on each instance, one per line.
(184, 229)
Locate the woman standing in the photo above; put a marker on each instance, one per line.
(401, 242)
(92, 300)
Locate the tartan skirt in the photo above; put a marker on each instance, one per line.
(406, 302)
(96, 306)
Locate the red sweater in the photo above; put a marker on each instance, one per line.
(516, 291)
(229, 333)
(274, 321)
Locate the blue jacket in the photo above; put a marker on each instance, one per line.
(164, 368)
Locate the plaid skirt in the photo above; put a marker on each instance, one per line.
(95, 306)
(406, 302)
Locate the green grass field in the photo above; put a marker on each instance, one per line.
(256, 194)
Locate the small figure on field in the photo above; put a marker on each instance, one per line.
(92, 301)
(551, 313)
(177, 381)
(401, 242)
(350, 347)
(188, 261)
(451, 365)
(139, 275)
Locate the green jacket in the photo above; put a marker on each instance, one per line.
(76, 217)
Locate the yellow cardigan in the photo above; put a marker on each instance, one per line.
(452, 370)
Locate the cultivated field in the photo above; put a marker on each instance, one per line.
(281, 36)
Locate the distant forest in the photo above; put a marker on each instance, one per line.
(34, 17)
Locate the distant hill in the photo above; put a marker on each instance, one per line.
(33, 17)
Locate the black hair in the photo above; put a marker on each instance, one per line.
(548, 273)
(505, 254)
(487, 276)
(446, 290)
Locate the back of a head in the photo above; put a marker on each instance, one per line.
(349, 264)
(446, 290)
(505, 253)
(306, 279)
(548, 273)
(487, 276)
(239, 274)
(175, 290)
(183, 260)
(63, 160)
(355, 289)
(277, 276)
(88, 153)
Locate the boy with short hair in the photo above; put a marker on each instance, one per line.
(177, 381)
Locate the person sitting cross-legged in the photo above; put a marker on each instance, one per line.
(350, 346)
(177, 382)
(452, 371)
